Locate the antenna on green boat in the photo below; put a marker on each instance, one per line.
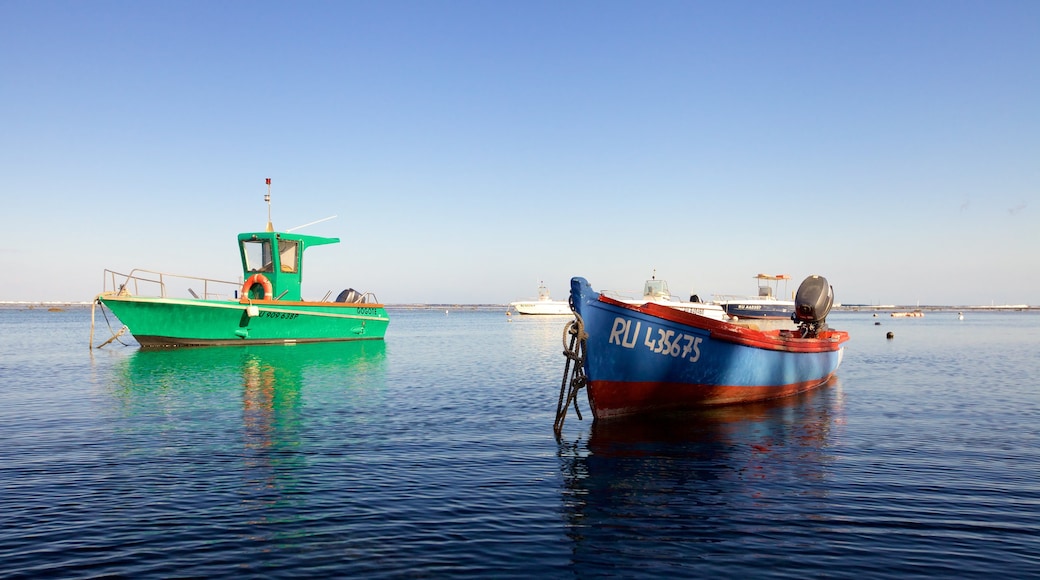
(267, 198)
(331, 217)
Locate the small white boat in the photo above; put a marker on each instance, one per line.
(656, 291)
(545, 305)
(765, 306)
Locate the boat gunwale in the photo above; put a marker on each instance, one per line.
(265, 302)
(267, 305)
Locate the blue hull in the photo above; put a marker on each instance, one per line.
(652, 358)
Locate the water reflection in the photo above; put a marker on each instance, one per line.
(271, 377)
(240, 416)
(637, 487)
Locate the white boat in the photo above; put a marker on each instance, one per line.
(765, 306)
(544, 305)
(656, 291)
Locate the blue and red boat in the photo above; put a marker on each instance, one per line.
(638, 359)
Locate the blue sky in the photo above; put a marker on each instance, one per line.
(473, 148)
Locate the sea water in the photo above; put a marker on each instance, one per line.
(432, 454)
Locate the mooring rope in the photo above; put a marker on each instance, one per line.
(115, 334)
(573, 375)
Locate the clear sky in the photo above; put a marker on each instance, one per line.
(473, 148)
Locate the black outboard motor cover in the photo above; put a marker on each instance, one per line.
(350, 295)
(813, 300)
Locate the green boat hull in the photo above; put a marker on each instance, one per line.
(169, 322)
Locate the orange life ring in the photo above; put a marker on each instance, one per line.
(258, 279)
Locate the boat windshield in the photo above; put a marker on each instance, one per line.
(656, 289)
(258, 255)
(287, 252)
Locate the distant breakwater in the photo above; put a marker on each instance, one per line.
(934, 308)
(492, 307)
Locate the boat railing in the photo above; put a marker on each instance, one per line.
(366, 298)
(730, 297)
(153, 283)
(631, 296)
(621, 294)
(356, 297)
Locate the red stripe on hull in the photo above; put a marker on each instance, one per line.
(615, 399)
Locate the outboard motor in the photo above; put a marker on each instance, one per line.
(350, 295)
(812, 303)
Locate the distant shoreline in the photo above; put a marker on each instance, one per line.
(933, 308)
(14, 305)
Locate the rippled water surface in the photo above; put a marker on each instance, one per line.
(432, 455)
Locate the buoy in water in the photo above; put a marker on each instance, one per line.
(890, 335)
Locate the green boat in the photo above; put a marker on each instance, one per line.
(267, 308)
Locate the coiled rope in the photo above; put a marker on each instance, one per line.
(573, 374)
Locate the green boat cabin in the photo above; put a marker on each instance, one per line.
(282, 268)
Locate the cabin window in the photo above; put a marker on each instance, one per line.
(287, 252)
(258, 255)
